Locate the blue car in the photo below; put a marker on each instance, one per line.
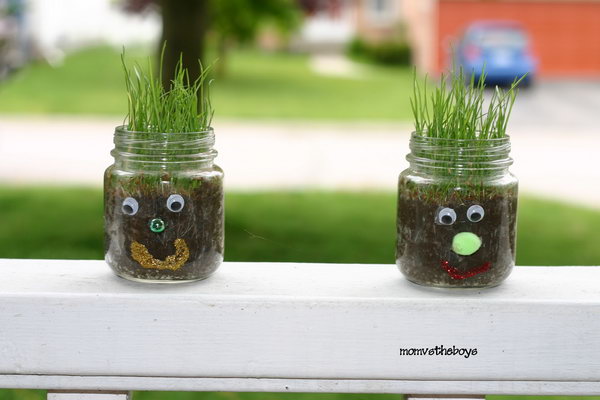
(502, 47)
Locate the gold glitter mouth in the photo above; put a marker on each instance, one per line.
(140, 253)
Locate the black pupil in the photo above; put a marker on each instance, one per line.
(475, 216)
(446, 219)
(128, 209)
(175, 206)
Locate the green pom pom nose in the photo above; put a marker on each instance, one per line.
(465, 243)
(157, 225)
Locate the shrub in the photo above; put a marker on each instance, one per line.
(389, 52)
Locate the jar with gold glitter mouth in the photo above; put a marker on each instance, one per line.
(163, 206)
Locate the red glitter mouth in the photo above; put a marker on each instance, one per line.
(456, 274)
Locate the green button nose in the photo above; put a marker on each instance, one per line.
(157, 225)
(465, 243)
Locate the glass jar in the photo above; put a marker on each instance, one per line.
(457, 210)
(163, 206)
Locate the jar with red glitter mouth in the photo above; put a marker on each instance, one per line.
(457, 207)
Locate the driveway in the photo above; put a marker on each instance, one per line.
(559, 106)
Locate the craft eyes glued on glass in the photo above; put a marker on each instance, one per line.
(163, 206)
(457, 205)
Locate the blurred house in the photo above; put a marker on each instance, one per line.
(54, 27)
(564, 34)
(331, 24)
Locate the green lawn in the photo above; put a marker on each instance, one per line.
(258, 85)
(66, 222)
(297, 226)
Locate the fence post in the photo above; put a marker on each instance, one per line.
(443, 397)
(87, 395)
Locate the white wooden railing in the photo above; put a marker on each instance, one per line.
(75, 328)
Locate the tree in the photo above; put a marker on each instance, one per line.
(184, 26)
(238, 21)
(187, 22)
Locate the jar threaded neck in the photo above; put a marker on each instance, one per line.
(163, 151)
(452, 157)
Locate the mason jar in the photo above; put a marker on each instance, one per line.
(457, 212)
(163, 206)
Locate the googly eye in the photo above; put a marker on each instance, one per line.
(130, 206)
(175, 203)
(475, 213)
(446, 216)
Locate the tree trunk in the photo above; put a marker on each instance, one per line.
(221, 56)
(184, 26)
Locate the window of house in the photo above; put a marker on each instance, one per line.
(381, 11)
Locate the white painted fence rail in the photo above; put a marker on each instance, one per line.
(73, 325)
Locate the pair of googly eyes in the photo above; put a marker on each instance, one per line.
(447, 216)
(130, 205)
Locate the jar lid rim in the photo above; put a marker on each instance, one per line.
(420, 135)
(123, 129)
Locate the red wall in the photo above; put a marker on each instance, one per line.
(565, 34)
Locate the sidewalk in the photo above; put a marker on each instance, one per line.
(294, 155)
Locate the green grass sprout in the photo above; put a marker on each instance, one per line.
(456, 108)
(184, 107)
(460, 135)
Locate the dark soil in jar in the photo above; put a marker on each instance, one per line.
(191, 245)
(424, 251)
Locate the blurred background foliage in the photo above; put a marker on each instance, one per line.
(186, 27)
